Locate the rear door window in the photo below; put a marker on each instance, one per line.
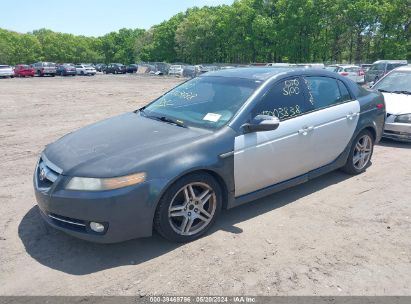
(285, 100)
(324, 92)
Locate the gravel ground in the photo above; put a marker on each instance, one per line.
(335, 235)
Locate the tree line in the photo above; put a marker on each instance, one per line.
(244, 32)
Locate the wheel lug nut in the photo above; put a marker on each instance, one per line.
(189, 214)
(196, 210)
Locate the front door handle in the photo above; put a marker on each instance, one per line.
(304, 131)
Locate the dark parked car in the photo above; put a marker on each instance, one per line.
(23, 70)
(44, 68)
(115, 68)
(216, 141)
(66, 69)
(132, 68)
(100, 67)
(381, 67)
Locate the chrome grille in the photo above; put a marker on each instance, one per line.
(46, 173)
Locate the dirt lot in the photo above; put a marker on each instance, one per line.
(336, 235)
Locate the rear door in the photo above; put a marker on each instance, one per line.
(332, 122)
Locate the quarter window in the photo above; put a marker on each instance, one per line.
(284, 100)
(345, 95)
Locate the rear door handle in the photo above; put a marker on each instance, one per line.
(304, 131)
(351, 116)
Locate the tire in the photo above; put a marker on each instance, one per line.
(188, 226)
(82, 73)
(360, 155)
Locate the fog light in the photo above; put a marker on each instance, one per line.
(97, 227)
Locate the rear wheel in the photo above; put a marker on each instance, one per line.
(188, 208)
(360, 153)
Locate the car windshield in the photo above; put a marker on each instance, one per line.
(397, 81)
(4, 67)
(205, 102)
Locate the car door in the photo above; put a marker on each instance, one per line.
(332, 122)
(265, 158)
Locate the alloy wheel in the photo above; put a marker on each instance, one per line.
(362, 152)
(192, 208)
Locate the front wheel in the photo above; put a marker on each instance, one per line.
(188, 208)
(360, 153)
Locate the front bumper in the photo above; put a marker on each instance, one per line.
(397, 131)
(126, 213)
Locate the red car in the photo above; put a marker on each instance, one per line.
(23, 70)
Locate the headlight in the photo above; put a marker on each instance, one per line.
(99, 184)
(404, 118)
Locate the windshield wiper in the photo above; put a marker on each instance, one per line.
(173, 121)
(402, 92)
(167, 120)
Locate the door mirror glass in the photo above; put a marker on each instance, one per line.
(261, 123)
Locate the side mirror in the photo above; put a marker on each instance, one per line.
(261, 123)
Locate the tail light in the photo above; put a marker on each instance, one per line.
(380, 105)
(344, 73)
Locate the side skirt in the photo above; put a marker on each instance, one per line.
(338, 163)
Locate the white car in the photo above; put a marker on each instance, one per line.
(396, 87)
(176, 70)
(84, 69)
(6, 71)
(355, 73)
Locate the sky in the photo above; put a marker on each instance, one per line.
(91, 17)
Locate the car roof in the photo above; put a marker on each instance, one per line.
(265, 73)
(404, 68)
(261, 73)
(390, 61)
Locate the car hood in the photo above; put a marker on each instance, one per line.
(397, 103)
(118, 146)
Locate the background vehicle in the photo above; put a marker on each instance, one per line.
(100, 67)
(66, 69)
(6, 71)
(85, 70)
(208, 68)
(365, 67)
(44, 68)
(176, 70)
(310, 65)
(192, 70)
(396, 88)
(115, 68)
(278, 64)
(23, 70)
(222, 127)
(132, 68)
(353, 72)
(382, 67)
